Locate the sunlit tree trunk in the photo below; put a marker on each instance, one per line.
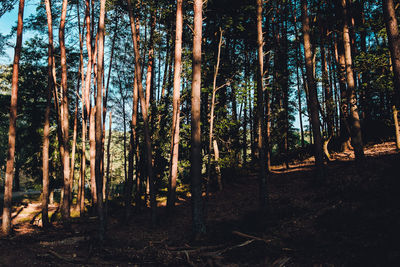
(312, 91)
(46, 129)
(394, 46)
(176, 107)
(81, 182)
(262, 163)
(355, 128)
(99, 128)
(92, 147)
(199, 227)
(65, 209)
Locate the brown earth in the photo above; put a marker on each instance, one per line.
(351, 218)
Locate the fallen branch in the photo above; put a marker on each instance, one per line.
(58, 256)
(251, 237)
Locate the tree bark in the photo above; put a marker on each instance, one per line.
(46, 128)
(394, 46)
(312, 91)
(65, 209)
(92, 142)
(199, 227)
(176, 108)
(355, 129)
(262, 163)
(99, 128)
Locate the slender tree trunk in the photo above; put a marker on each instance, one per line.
(81, 182)
(92, 148)
(99, 128)
(262, 163)
(73, 150)
(150, 61)
(108, 180)
(46, 128)
(65, 209)
(149, 156)
(394, 46)
(210, 137)
(176, 108)
(312, 90)
(355, 121)
(198, 222)
(133, 145)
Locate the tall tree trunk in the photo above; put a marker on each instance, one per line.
(394, 46)
(312, 91)
(81, 182)
(65, 209)
(149, 156)
(150, 61)
(108, 180)
(355, 129)
(262, 163)
(176, 108)
(92, 147)
(198, 222)
(46, 128)
(99, 128)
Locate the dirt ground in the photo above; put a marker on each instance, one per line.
(350, 218)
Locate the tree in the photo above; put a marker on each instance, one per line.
(176, 106)
(46, 129)
(99, 127)
(312, 91)
(355, 128)
(199, 227)
(6, 223)
(65, 209)
(392, 29)
(263, 197)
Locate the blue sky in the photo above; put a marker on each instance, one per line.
(8, 20)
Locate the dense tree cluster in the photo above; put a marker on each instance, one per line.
(191, 91)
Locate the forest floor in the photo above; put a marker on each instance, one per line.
(350, 218)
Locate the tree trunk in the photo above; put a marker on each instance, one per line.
(108, 180)
(149, 156)
(394, 46)
(312, 92)
(92, 148)
(65, 209)
(262, 163)
(46, 128)
(199, 227)
(214, 91)
(99, 128)
(176, 108)
(355, 129)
